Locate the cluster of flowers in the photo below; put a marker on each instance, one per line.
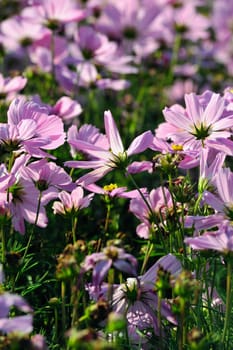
(94, 45)
(20, 326)
(198, 134)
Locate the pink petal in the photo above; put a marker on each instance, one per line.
(113, 134)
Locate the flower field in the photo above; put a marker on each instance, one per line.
(116, 175)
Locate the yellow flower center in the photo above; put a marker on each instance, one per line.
(177, 147)
(110, 188)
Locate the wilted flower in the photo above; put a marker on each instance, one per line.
(110, 257)
(159, 202)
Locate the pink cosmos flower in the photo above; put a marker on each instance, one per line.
(192, 30)
(138, 301)
(211, 163)
(135, 24)
(184, 157)
(91, 50)
(201, 123)
(40, 52)
(71, 203)
(30, 129)
(93, 8)
(87, 133)
(186, 70)
(139, 167)
(110, 257)
(24, 198)
(179, 88)
(55, 12)
(112, 190)
(159, 203)
(221, 240)
(10, 86)
(21, 138)
(49, 179)
(20, 324)
(112, 84)
(221, 202)
(108, 160)
(69, 80)
(221, 23)
(6, 179)
(228, 96)
(18, 32)
(66, 108)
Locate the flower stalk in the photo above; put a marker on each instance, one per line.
(226, 328)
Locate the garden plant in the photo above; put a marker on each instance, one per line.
(116, 175)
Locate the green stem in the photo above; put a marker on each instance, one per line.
(53, 53)
(159, 322)
(155, 222)
(111, 277)
(197, 204)
(225, 334)
(74, 302)
(3, 236)
(140, 192)
(63, 306)
(29, 240)
(56, 330)
(106, 223)
(175, 53)
(149, 249)
(11, 161)
(107, 217)
(53, 81)
(180, 224)
(182, 333)
(210, 295)
(74, 227)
